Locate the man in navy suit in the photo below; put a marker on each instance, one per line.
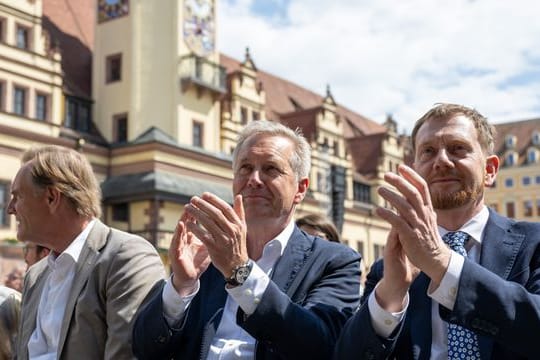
(479, 300)
(246, 281)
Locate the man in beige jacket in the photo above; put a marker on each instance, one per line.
(79, 302)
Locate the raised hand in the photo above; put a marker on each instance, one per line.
(189, 258)
(415, 222)
(221, 228)
(398, 275)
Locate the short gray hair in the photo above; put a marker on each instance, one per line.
(300, 161)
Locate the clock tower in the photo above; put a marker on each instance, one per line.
(156, 64)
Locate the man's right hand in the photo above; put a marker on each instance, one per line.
(398, 275)
(189, 258)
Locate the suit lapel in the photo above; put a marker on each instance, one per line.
(498, 254)
(290, 263)
(499, 246)
(96, 240)
(31, 298)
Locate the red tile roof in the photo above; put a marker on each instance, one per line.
(522, 130)
(285, 99)
(71, 25)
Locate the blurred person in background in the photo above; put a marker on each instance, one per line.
(320, 226)
(15, 279)
(33, 253)
(10, 309)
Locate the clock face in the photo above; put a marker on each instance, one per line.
(111, 9)
(199, 26)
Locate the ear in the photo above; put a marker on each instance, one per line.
(492, 168)
(53, 197)
(303, 185)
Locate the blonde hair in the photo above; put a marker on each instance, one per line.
(69, 172)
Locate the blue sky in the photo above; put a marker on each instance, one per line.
(398, 57)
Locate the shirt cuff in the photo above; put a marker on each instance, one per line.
(446, 293)
(174, 305)
(249, 294)
(384, 322)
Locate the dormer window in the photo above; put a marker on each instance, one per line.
(510, 141)
(536, 138)
(532, 156)
(511, 159)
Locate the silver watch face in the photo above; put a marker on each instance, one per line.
(242, 274)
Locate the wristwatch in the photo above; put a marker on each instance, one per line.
(240, 274)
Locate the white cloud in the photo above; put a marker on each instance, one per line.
(398, 57)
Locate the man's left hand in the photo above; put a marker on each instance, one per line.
(415, 222)
(221, 228)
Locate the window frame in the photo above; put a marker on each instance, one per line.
(24, 89)
(117, 119)
(4, 201)
(199, 142)
(28, 36)
(46, 96)
(112, 76)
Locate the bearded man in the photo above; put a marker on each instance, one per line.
(459, 280)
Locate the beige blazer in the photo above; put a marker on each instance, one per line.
(115, 273)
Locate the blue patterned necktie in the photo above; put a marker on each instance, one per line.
(462, 343)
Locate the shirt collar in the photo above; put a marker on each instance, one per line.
(474, 227)
(281, 239)
(75, 248)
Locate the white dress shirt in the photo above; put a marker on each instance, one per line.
(43, 344)
(385, 322)
(231, 341)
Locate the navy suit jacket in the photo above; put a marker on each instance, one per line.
(499, 299)
(314, 290)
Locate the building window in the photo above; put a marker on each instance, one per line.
(22, 40)
(120, 212)
(509, 182)
(510, 210)
(243, 115)
(336, 148)
(4, 217)
(77, 115)
(197, 136)
(531, 156)
(19, 101)
(362, 192)
(528, 208)
(2, 30)
(2, 95)
(113, 68)
(378, 251)
(360, 247)
(511, 159)
(510, 141)
(536, 138)
(538, 207)
(526, 181)
(120, 128)
(255, 115)
(537, 179)
(41, 106)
